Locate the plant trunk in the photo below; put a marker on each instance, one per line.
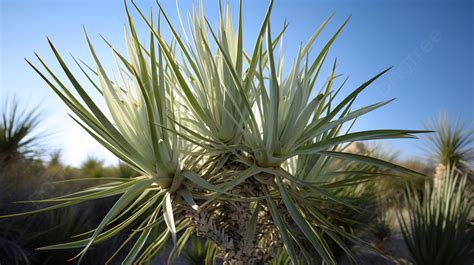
(226, 222)
(439, 176)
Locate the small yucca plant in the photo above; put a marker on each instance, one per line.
(228, 146)
(437, 228)
(452, 143)
(18, 132)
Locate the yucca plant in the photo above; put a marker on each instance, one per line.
(437, 229)
(227, 145)
(451, 144)
(18, 138)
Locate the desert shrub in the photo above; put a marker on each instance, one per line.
(437, 229)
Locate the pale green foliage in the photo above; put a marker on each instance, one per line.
(198, 123)
(452, 143)
(437, 229)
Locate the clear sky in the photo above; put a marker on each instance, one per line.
(429, 44)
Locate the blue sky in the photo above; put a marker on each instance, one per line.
(428, 43)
